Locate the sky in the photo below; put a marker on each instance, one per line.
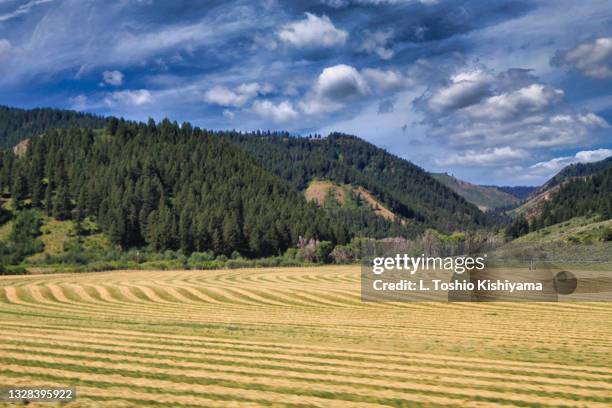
(493, 92)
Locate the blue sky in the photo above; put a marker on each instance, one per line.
(499, 92)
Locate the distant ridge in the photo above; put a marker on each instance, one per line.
(485, 197)
(18, 124)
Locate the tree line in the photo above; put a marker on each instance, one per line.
(163, 186)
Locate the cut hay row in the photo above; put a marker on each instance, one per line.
(297, 385)
(294, 337)
(384, 379)
(323, 359)
(424, 330)
(204, 341)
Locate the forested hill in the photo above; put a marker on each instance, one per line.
(164, 186)
(576, 170)
(404, 188)
(589, 196)
(18, 124)
(583, 196)
(485, 197)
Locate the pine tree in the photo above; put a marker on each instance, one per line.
(61, 204)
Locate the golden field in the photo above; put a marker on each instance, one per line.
(292, 337)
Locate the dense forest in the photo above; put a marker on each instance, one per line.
(520, 192)
(163, 186)
(581, 196)
(406, 189)
(17, 124)
(576, 170)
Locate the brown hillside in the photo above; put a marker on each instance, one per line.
(318, 190)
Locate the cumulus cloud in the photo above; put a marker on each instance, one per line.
(341, 82)
(530, 99)
(237, 97)
(463, 89)
(554, 165)
(487, 157)
(339, 85)
(593, 59)
(313, 31)
(136, 97)
(377, 43)
(334, 87)
(281, 112)
(114, 78)
(385, 80)
(477, 108)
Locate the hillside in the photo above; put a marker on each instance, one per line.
(574, 174)
(405, 189)
(360, 211)
(579, 240)
(576, 170)
(165, 187)
(19, 124)
(520, 192)
(484, 197)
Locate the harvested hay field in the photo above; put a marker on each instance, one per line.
(292, 337)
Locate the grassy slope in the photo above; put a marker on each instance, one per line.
(579, 239)
(485, 197)
(56, 234)
(318, 189)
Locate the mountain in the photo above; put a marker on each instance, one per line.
(19, 124)
(520, 192)
(416, 200)
(533, 207)
(404, 188)
(165, 187)
(576, 170)
(578, 196)
(484, 197)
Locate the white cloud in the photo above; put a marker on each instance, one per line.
(228, 114)
(476, 109)
(464, 89)
(376, 43)
(136, 97)
(281, 112)
(22, 9)
(114, 78)
(341, 82)
(339, 85)
(488, 157)
(382, 80)
(530, 99)
(554, 165)
(313, 31)
(79, 102)
(223, 96)
(593, 59)
(334, 87)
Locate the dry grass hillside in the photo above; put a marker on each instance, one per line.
(318, 190)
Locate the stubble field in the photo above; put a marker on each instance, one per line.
(292, 337)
